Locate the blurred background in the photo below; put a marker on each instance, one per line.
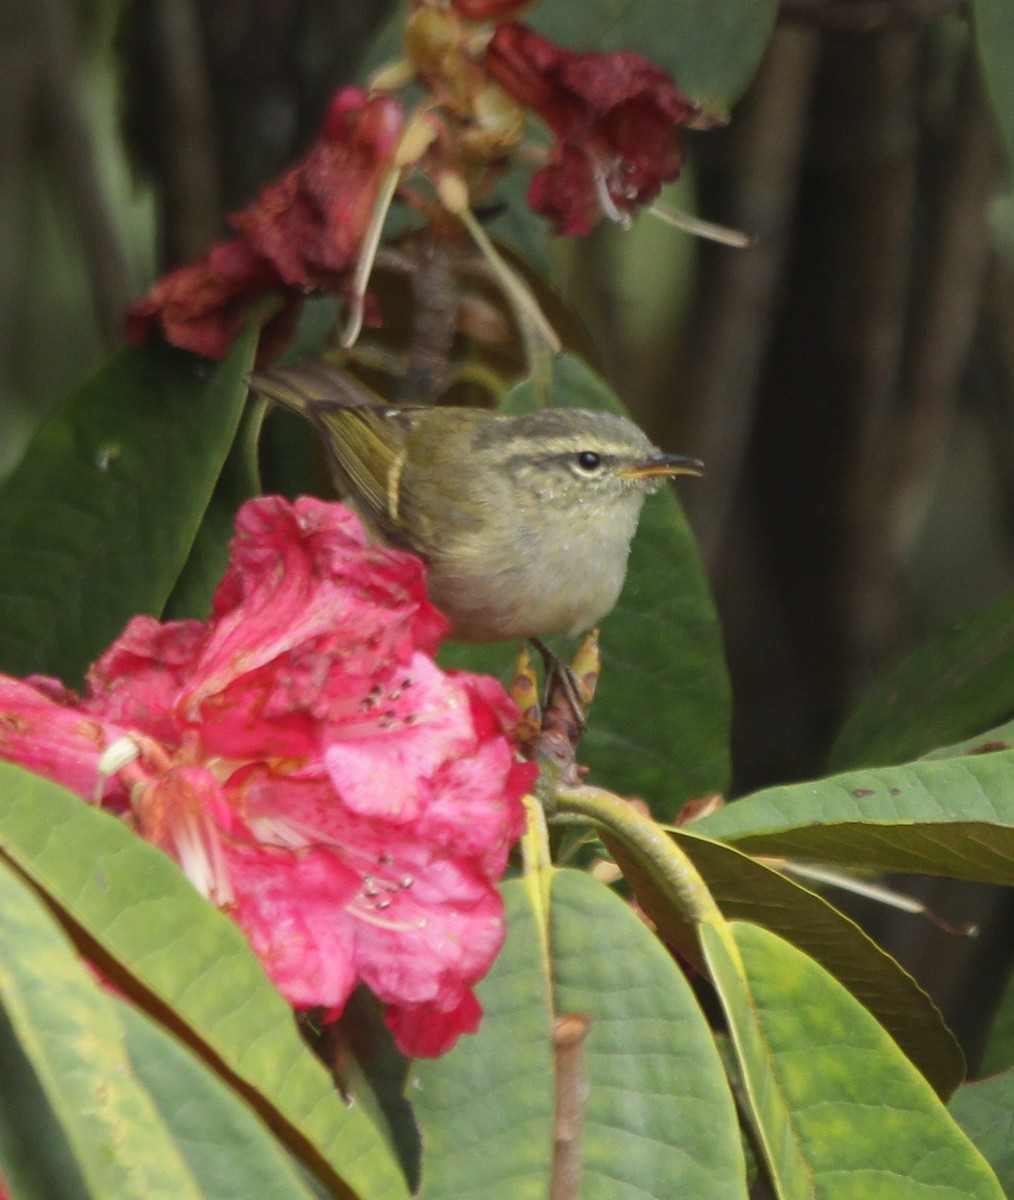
(849, 380)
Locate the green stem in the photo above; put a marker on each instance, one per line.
(250, 433)
(646, 839)
(539, 337)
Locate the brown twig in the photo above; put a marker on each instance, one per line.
(436, 299)
(572, 1091)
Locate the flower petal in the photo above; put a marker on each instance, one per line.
(137, 682)
(292, 907)
(311, 224)
(303, 234)
(305, 619)
(429, 1030)
(53, 739)
(617, 117)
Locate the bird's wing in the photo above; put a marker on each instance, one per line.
(368, 452)
(365, 439)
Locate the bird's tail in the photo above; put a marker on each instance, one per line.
(312, 386)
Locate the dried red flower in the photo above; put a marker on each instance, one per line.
(303, 234)
(310, 225)
(616, 117)
(202, 307)
(310, 767)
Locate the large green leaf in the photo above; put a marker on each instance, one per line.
(659, 1119)
(955, 686)
(660, 723)
(748, 890)
(209, 553)
(485, 1110)
(135, 904)
(994, 31)
(231, 1152)
(36, 1161)
(840, 1111)
(99, 517)
(985, 1111)
(71, 1034)
(1000, 737)
(952, 816)
(711, 50)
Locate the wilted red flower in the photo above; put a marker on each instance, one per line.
(310, 225)
(303, 234)
(202, 307)
(616, 117)
(310, 767)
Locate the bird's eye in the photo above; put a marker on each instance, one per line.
(588, 460)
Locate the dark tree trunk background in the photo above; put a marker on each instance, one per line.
(848, 381)
(845, 383)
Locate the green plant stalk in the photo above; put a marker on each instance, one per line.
(667, 863)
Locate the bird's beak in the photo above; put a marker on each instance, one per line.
(662, 466)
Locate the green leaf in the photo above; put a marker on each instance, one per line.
(36, 1162)
(711, 50)
(748, 890)
(97, 520)
(952, 817)
(956, 685)
(659, 727)
(840, 1111)
(191, 596)
(1000, 737)
(485, 1110)
(994, 33)
(660, 1119)
(231, 1152)
(136, 905)
(370, 1067)
(70, 1033)
(985, 1111)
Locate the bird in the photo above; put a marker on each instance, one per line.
(524, 522)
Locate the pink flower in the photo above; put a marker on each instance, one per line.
(303, 234)
(616, 117)
(310, 767)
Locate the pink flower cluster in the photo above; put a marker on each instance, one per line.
(312, 770)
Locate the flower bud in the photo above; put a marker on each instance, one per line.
(453, 192)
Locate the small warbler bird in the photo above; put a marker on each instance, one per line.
(524, 522)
